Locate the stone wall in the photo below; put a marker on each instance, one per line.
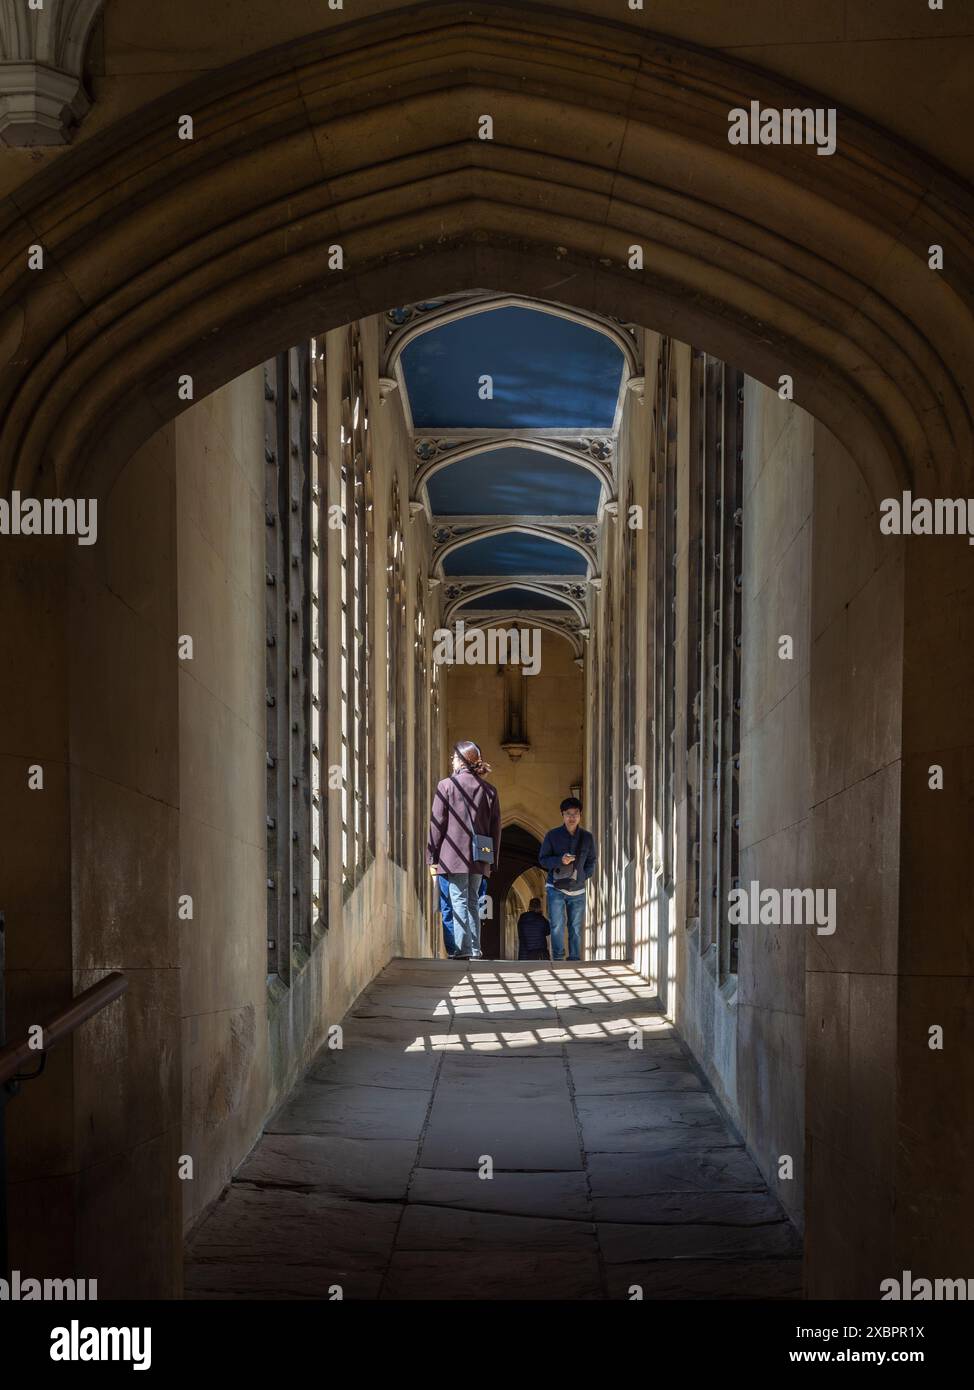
(90, 877)
(765, 1068)
(154, 788)
(220, 467)
(245, 1044)
(852, 991)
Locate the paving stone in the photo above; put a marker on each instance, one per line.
(272, 1281)
(518, 1194)
(504, 1274)
(689, 1208)
(617, 1124)
(432, 1013)
(519, 1038)
(451, 1229)
(673, 1170)
(376, 1066)
(375, 1168)
(405, 1034)
(252, 1225)
(615, 1075)
(616, 1050)
(508, 1012)
(523, 1135)
(482, 1077)
(356, 1112)
(626, 1243)
(443, 1064)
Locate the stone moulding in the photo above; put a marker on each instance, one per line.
(42, 53)
(207, 257)
(458, 591)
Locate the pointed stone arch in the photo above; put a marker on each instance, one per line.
(444, 452)
(517, 527)
(534, 585)
(207, 259)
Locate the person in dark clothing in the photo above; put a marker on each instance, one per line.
(465, 819)
(532, 933)
(568, 853)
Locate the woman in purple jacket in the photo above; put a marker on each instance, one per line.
(466, 815)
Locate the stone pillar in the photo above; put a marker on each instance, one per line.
(42, 53)
(850, 976)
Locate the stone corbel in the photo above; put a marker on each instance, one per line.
(637, 385)
(387, 384)
(42, 52)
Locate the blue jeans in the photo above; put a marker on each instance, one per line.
(446, 910)
(560, 906)
(464, 895)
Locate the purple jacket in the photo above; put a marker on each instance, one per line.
(449, 836)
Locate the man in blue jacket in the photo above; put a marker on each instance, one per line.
(568, 853)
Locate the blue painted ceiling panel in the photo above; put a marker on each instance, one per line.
(548, 373)
(515, 552)
(514, 482)
(512, 599)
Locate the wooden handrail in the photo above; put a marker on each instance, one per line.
(63, 1023)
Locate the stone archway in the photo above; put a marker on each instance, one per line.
(519, 851)
(167, 258)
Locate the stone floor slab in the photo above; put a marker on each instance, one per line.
(703, 1169)
(520, 1135)
(617, 1075)
(563, 1195)
(451, 1229)
(621, 1244)
(368, 1176)
(378, 1169)
(356, 1112)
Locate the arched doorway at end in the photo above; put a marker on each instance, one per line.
(519, 851)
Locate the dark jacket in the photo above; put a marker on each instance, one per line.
(558, 842)
(448, 843)
(532, 935)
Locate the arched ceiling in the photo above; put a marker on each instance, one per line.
(513, 554)
(474, 370)
(505, 483)
(203, 258)
(546, 372)
(514, 598)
